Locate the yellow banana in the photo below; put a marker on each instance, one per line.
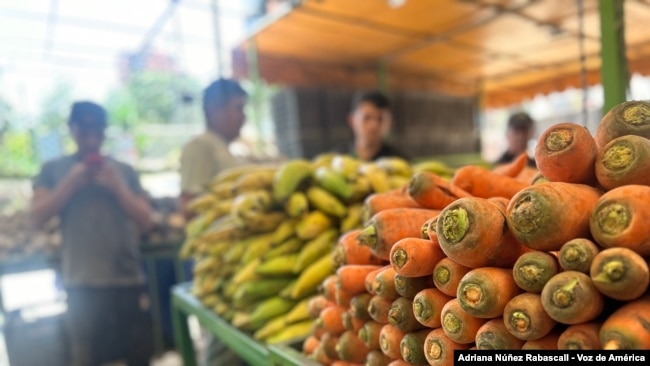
(188, 248)
(286, 292)
(434, 166)
(346, 165)
(333, 182)
(289, 177)
(234, 254)
(353, 219)
(311, 278)
(273, 326)
(377, 177)
(294, 331)
(210, 300)
(289, 246)
(324, 201)
(229, 231)
(202, 203)
(264, 222)
(315, 248)
(313, 224)
(246, 273)
(261, 289)
(270, 308)
(258, 246)
(250, 203)
(259, 180)
(395, 166)
(323, 159)
(240, 319)
(361, 188)
(231, 174)
(220, 308)
(278, 266)
(398, 181)
(296, 205)
(284, 231)
(299, 312)
(222, 190)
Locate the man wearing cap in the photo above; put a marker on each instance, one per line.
(519, 131)
(102, 209)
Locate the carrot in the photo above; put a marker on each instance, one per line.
(577, 255)
(628, 118)
(400, 315)
(432, 228)
(620, 219)
(564, 143)
(343, 297)
(533, 269)
(377, 358)
(571, 298)
(424, 231)
(351, 278)
(447, 275)
(427, 307)
(352, 323)
(539, 178)
(348, 251)
(389, 226)
(351, 349)
(309, 345)
(378, 202)
(412, 347)
(525, 318)
(369, 334)
(343, 363)
(389, 340)
(548, 342)
(439, 349)
(317, 330)
(546, 215)
(500, 202)
(484, 292)
(620, 273)
(359, 306)
(493, 335)
(329, 343)
(415, 257)
(484, 183)
(624, 161)
(409, 286)
(316, 304)
(331, 319)
(580, 337)
(627, 327)
(320, 356)
(513, 168)
(431, 191)
(328, 287)
(384, 284)
(370, 279)
(458, 325)
(398, 362)
(472, 232)
(378, 309)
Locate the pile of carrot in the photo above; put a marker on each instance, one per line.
(499, 259)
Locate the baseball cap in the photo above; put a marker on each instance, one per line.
(520, 120)
(88, 115)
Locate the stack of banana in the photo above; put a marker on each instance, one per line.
(262, 237)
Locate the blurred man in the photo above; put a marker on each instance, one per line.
(519, 131)
(102, 208)
(370, 120)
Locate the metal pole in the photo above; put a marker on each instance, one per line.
(614, 62)
(217, 37)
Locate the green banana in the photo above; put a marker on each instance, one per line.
(290, 246)
(258, 246)
(324, 201)
(286, 292)
(434, 166)
(377, 177)
(232, 174)
(395, 166)
(297, 205)
(323, 159)
(311, 278)
(314, 249)
(246, 273)
(278, 266)
(270, 308)
(312, 225)
(222, 190)
(292, 332)
(260, 289)
(284, 231)
(235, 253)
(299, 312)
(273, 326)
(346, 165)
(259, 180)
(353, 219)
(210, 300)
(333, 182)
(289, 177)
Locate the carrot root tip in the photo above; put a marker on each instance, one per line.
(400, 257)
(400, 282)
(434, 350)
(433, 226)
(573, 254)
(472, 295)
(636, 114)
(613, 345)
(619, 156)
(368, 236)
(395, 316)
(559, 139)
(363, 335)
(575, 346)
(612, 271)
(531, 273)
(406, 352)
(421, 309)
(563, 297)
(455, 224)
(442, 275)
(452, 323)
(526, 214)
(613, 218)
(384, 343)
(520, 321)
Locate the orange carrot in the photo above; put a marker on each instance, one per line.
(370, 279)
(343, 297)
(580, 337)
(567, 152)
(484, 183)
(384, 284)
(432, 228)
(328, 288)
(352, 323)
(571, 298)
(351, 349)
(412, 347)
(331, 320)
(447, 275)
(501, 203)
(389, 226)
(493, 335)
(378, 309)
(513, 168)
(310, 344)
(533, 269)
(620, 273)
(577, 255)
(359, 306)
(369, 334)
(348, 251)
(317, 330)
(351, 278)
(472, 232)
(378, 202)
(389, 339)
(628, 118)
(620, 219)
(329, 343)
(439, 349)
(427, 307)
(627, 327)
(399, 362)
(484, 292)
(539, 178)
(401, 315)
(316, 304)
(545, 216)
(525, 318)
(344, 363)
(377, 358)
(431, 191)
(549, 342)
(320, 356)
(409, 286)
(458, 325)
(415, 257)
(424, 231)
(624, 161)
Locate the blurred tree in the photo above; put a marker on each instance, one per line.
(55, 108)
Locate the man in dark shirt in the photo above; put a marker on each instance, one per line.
(370, 120)
(519, 131)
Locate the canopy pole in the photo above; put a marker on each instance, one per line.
(218, 47)
(382, 77)
(612, 49)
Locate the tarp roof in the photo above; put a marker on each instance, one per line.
(504, 50)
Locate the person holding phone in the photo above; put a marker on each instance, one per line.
(103, 209)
